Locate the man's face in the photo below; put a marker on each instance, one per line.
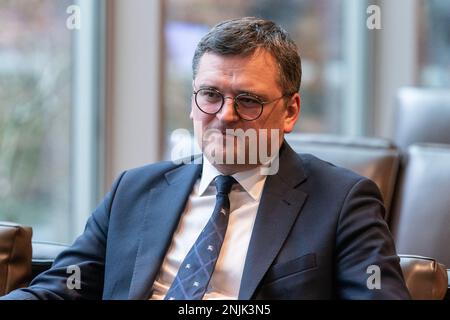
(256, 74)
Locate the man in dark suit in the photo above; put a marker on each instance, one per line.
(238, 225)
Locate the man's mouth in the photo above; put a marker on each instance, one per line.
(225, 132)
(228, 133)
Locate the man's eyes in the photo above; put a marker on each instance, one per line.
(209, 93)
(249, 101)
(242, 98)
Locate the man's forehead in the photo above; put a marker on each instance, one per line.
(255, 68)
(257, 56)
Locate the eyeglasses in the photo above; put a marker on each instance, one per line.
(249, 107)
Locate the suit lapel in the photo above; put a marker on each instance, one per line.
(165, 203)
(281, 203)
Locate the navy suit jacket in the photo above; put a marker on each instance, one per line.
(317, 231)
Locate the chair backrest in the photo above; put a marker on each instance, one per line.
(376, 159)
(15, 256)
(420, 216)
(422, 115)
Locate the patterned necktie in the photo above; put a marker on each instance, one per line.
(197, 267)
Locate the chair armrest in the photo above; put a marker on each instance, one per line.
(425, 278)
(15, 256)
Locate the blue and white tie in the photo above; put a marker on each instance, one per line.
(197, 267)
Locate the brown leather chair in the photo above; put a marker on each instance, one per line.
(15, 256)
(376, 159)
(422, 115)
(425, 278)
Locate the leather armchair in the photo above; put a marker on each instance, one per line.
(15, 256)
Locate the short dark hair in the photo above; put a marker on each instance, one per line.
(243, 36)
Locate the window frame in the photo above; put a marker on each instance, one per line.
(88, 109)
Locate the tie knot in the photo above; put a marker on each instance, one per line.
(224, 184)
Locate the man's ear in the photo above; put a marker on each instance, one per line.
(292, 113)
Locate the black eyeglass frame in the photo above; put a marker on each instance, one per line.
(235, 104)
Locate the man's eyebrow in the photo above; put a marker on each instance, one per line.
(206, 86)
(260, 95)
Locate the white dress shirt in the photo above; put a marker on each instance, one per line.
(244, 201)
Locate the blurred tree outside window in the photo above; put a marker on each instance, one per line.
(36, 59)
(434, 43)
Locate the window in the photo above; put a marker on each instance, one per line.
(434, 43)
(39, 122)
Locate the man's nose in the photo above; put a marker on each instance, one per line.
(228, 113)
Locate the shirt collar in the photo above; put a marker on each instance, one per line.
(252, 181)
